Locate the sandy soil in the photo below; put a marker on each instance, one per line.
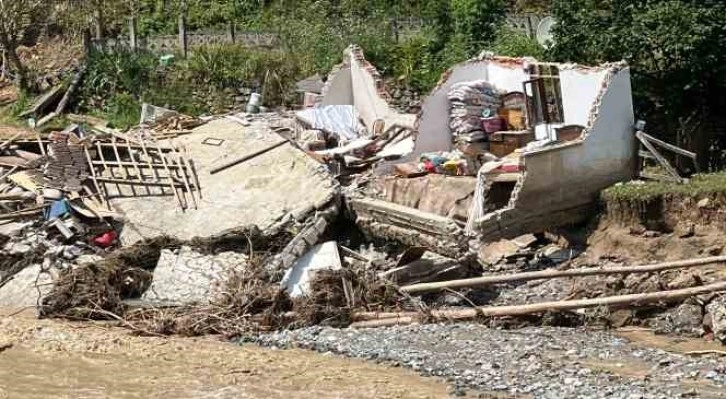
(46, 358)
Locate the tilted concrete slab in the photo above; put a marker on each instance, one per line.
(259, 192)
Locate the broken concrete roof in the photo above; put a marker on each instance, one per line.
(258, 192)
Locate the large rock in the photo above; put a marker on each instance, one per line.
(685, 319)
(716, 318)
(186, 276)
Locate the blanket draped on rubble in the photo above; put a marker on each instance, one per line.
(341, 120)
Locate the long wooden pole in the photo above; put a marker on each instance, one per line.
(548, 274)
(520, 310)
(247, 157)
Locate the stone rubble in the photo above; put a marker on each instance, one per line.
(546, 363)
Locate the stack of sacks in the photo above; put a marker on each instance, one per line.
(471, 102)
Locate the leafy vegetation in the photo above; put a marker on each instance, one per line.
(673, 48)
(639, 191)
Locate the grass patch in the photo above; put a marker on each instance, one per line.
(638, 191)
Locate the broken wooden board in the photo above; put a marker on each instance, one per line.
(430, 267)
(43, 101)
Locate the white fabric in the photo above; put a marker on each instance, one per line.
(341, 120)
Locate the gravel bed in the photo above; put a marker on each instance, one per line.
(536, 362)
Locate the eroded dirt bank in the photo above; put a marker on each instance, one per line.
(45, 358)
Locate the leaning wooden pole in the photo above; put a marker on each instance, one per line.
(521, 310)
(548, 274)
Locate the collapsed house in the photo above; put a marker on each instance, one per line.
(524, 145)
(501, 147)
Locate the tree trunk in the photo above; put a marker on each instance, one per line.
(21, 74)
(98, 23)
(522, 310)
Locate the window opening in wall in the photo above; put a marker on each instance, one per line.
(544, 95)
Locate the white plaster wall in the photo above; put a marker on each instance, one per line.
(568, 176)
(580, 88)
(339, 90)
(369, 104)
(434, 132)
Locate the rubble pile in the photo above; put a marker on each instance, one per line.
(327, 216)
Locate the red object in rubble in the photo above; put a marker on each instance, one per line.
(106, 239)
(429, 166)
(512, 168)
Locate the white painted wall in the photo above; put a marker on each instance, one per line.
(580, 88)
(355, 86)
(564, 177)
(339, 89)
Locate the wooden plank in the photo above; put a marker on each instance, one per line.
(147, 165)
(151, 165)
(247, 157)
(93, 178)
(671, 147)
(661, 160)
(105, 167)
(522, 310)
(6, 144)
(183, 174)
(136, 166)
(551, 274)
(194, 173)
(123, 169)
(140, 182)
(171, 182)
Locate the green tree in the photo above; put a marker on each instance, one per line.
(672, 46)
(18, 19)
(476, 21)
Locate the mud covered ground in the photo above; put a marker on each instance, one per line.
(57, 359)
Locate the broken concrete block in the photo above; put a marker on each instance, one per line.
(685, 319)
(525, 241)
(26, 288)
(430, 267)
(12, 229)
(187, 276)
(321, 257)
(492, 253)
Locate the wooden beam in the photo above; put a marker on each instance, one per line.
(522, 310)
(143, 183)
(247, 157)
(661, 160)
(668, 146)
(550, 274)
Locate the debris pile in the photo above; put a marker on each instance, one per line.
(258, 221)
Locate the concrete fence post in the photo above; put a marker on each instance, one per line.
(183, 39)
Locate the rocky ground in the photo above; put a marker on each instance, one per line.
(531, 362)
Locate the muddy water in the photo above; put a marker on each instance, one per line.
(50, 359)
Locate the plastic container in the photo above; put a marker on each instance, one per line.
(255, 99)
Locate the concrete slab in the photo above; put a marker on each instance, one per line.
(257, 192)
(188, 277)
(321, 257)
(26, 288)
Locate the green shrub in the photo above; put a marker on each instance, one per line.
(122, 111)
